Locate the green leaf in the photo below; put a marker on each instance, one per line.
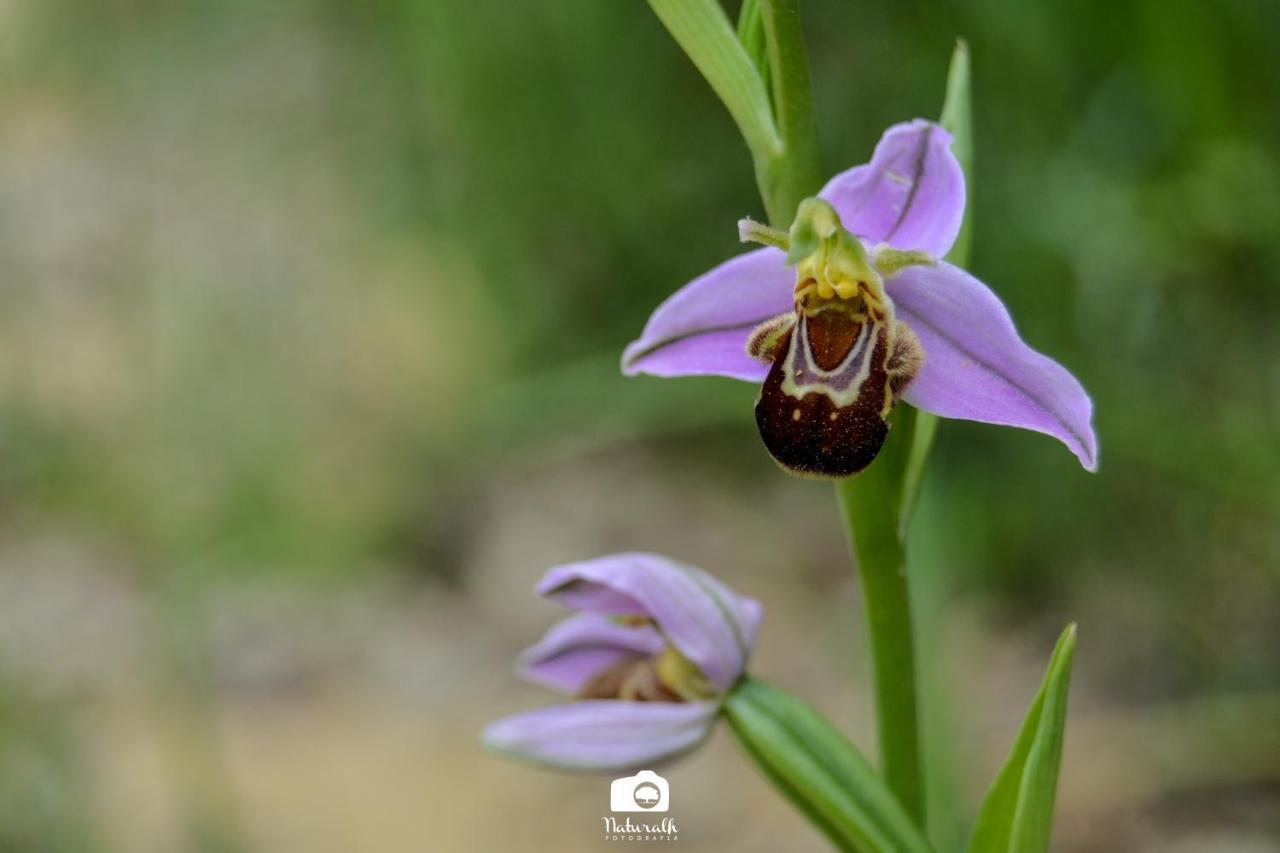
(1017, 813)
(751, 34)
(703, 31)
(957, 118)
(761, 74)
(822, 774)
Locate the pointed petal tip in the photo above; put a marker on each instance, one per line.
(1090, 459)
(978, 368)
(1084, 441)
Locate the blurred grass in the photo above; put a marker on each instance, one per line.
(286, 286)
(43, 804)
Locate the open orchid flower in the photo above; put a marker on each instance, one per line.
(869, 315)
(653, 648)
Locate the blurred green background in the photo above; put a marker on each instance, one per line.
(310, 315)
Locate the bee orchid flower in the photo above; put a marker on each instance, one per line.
(853, 309)
(654, 647)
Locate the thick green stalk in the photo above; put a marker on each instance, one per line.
(870, 504)
(798, 173)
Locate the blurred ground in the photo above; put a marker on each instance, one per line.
(347, 719)
(309, 325)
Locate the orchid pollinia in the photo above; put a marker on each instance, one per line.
(869, 316)
(839, 361)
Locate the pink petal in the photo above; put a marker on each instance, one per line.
(911, 195)
(603, 734)
(581, 646)
(710, 625)
(977, 368)
(702, 328)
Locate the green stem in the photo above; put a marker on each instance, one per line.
(797, 174)
(870, 504)
(872, 501)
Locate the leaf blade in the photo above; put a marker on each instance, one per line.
(957, 118)
(819, 771)
(1033, 821)
(704, 32)
(1017, 813)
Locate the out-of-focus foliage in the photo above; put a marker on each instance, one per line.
(42, 802)
(492, 196)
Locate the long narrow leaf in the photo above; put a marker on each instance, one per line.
(704, 32)
(751, 34)
(957, 117)
(817, 768)
(1017, 813)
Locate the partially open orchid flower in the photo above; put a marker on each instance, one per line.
(654, 647)
(869, 315)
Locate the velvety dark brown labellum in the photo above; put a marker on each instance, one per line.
(835, 377)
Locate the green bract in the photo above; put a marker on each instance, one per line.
(817, 768)
(1017, 813)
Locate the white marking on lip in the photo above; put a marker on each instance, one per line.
(798, 359)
